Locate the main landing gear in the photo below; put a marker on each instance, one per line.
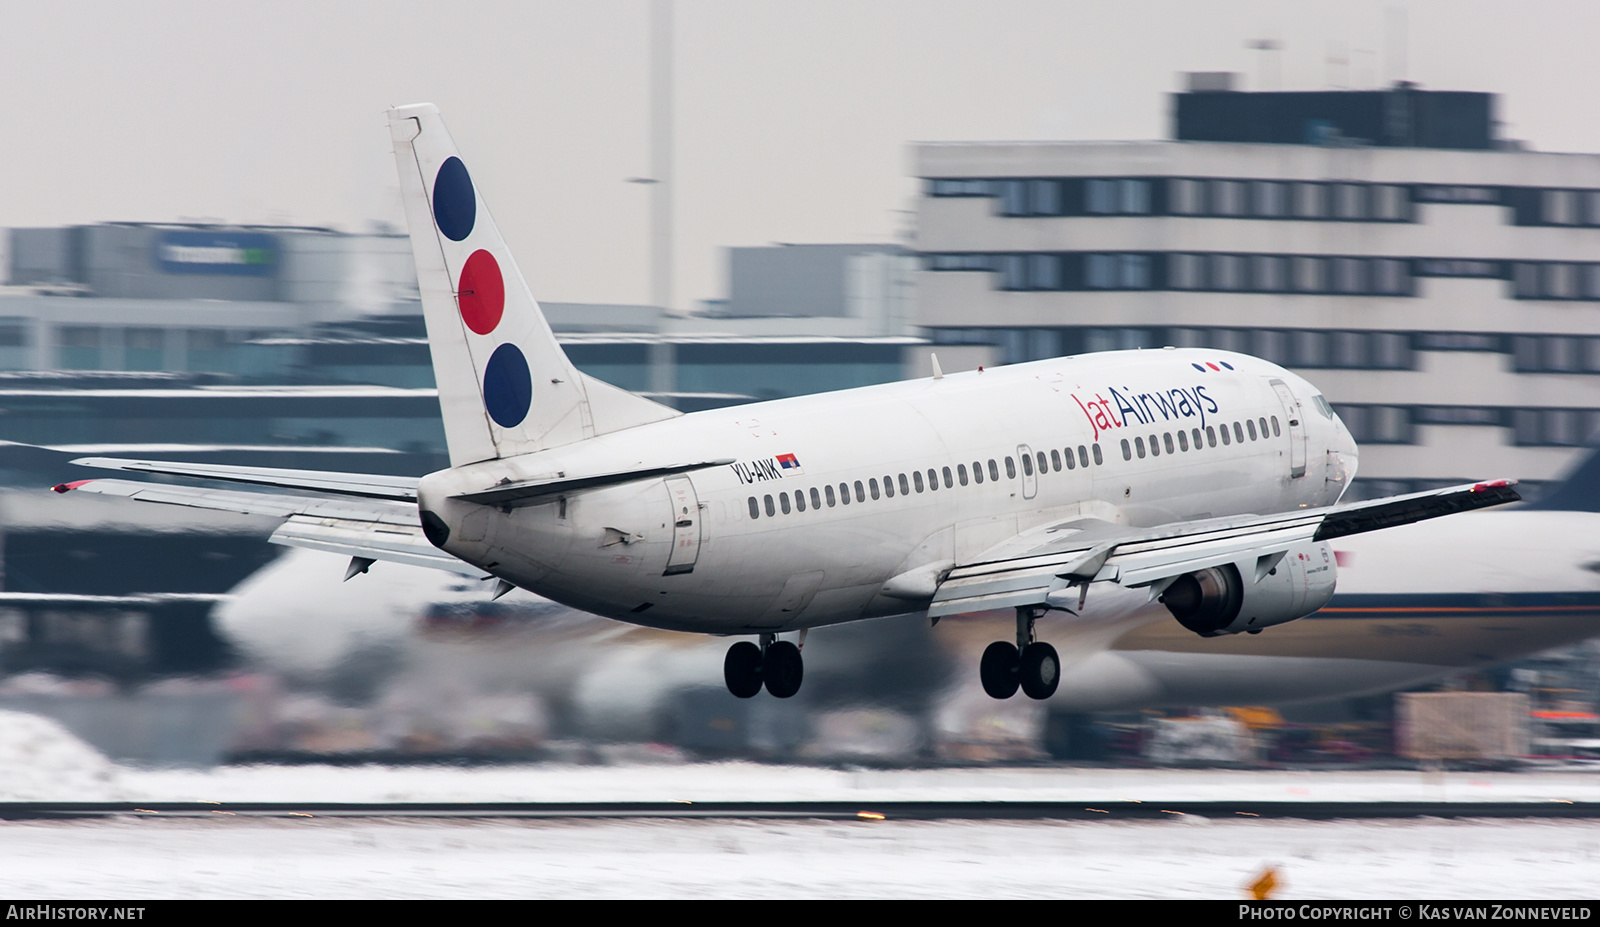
(1031, 664)
(775, 664)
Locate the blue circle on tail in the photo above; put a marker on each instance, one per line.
(455, 207)
(507, 386)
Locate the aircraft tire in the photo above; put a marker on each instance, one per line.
(998, 669)
(1040, 671)
(782, 669)
(741, 669)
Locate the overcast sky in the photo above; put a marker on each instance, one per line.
(792, 118)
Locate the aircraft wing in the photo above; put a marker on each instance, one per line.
(365, 528)
(1039, 566)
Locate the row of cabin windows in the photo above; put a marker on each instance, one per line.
(1039, 462)
(1137, 447)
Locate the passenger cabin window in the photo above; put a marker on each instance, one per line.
(1167, 440)
(1263, 429)
(872, 486)
(1027, 464)
(1097, 458)
(816, 498)
(1275, 431)
(905, 488)
(1011, 469)
(977, 471)
(1238, 433)
(916, 479)
(994, 470)
(1127, 450)
(828, 490)
(755, 508)
(1183, 441)
(861, 493)
(1197, 439)
(888, 487)
(949, 483)
(1211, 436)
(1226, 438)
(771, 511)
(1072, 462)
(1055, 460)
(783, 502)
(1041, 462)
(1155, 447)
(800, 499)
(1138, 447)
(961, 473)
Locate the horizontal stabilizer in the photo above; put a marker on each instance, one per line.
(532, 492)
(364, 485)
(369, 528)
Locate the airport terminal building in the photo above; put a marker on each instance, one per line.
(1442, 286)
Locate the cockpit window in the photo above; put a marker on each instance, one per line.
(1322, 406)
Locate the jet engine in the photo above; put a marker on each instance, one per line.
(1259, 593)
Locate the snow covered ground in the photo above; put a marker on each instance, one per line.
(1184, 857)
(235, 857)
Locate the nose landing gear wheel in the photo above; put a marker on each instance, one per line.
(1040, 671)
(998, 669)
(741, 669)
(782, 669)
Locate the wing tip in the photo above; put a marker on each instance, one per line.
(69, 487)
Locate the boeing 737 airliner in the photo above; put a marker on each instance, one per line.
(1204, 479)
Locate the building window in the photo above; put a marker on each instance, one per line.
(1525, 280)
(1350, 201)
(1268, 273)
(1013, 272)
(1349, 275)
(1561, 280)
(1100, 197)
(79, 347)
(1044, 272)
(1101, 271)
(1391, 351)
(1310, 201)
(1185, 196)
(1268, 198)
(1310, 275)
(1271, 345)
(1227, 197)
(1013, 197)
(1135, 271)
(1135, 196)
(1560, 207)
(1225, 272)
(1184, 271)
(1044, 197)
(1389, 277)
(1389, 202)
(1311, 348)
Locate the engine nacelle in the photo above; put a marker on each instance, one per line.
(1228, 599)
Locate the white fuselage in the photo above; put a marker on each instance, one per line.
(746, 547)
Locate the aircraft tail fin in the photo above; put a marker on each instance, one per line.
(1579, 492)
(505, 386)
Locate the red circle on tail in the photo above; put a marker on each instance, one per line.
(482, 292)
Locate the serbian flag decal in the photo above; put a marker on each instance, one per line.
(789, 463)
